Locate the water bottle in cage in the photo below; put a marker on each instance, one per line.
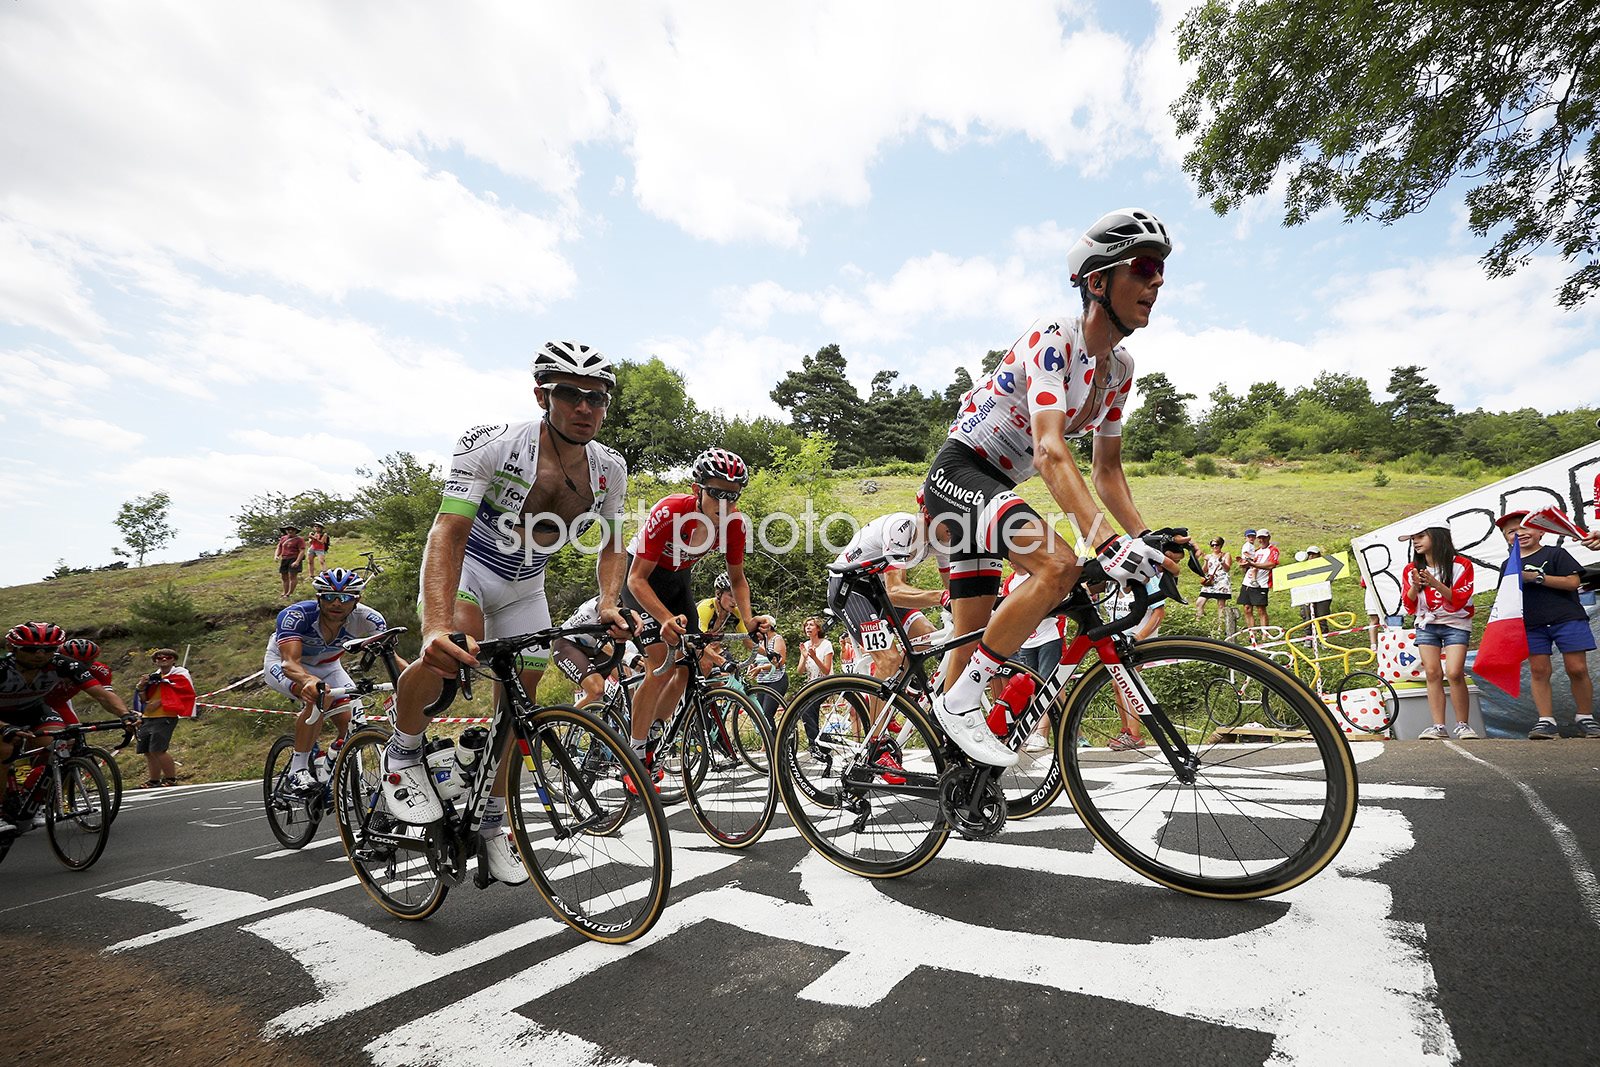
(1013, 696)
(468, 752)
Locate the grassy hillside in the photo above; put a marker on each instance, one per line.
(237, 594)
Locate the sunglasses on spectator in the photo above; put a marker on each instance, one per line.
(729, 495)
(163, 657)
(338, 598)
(1145, 267)
(572, 396)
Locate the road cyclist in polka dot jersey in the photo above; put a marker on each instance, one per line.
(1065, 377)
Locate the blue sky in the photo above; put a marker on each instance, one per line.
(251, 249)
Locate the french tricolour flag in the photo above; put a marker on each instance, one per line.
(1505, 641)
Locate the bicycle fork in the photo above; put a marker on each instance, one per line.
(1131, 688)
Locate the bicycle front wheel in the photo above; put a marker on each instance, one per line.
(78, 820)
(868, 805)
(292, 819)
(1235, 821)
(728, 768)
(606, 875)
(390, 858)
(109, 770)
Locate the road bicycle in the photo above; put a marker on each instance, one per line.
(716, 746)
(596, 852)
(293, 816)
(104, 758)
(68, 790)
(1228, 821)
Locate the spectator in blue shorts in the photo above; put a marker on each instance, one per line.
(1556, 621)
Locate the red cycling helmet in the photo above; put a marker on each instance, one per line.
(36, 635)
(720, 463)
(81, 649)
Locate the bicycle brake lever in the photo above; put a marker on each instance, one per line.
(463, 672)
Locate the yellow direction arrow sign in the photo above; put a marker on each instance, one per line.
(1316, 569)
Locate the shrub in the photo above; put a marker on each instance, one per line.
(1206, 467)
(1380, 478)
(1250, 472)
(1167, 461)
(166, 617)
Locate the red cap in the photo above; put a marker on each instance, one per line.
(1511, 518)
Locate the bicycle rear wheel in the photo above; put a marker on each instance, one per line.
(78, 820)
(292, 819)
(758, 759)
(732, 795)
(107, 762)
(609, 886)
(1240, 821)
(1366, 702)
(871, 808)
(390, 858)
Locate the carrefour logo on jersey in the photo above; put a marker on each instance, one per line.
(973, 421)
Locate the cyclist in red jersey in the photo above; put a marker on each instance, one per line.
(59, 699)
(683, 529)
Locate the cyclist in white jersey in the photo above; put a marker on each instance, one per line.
(575, 655)
(904, 538)
(514, 495)
(1064, 377)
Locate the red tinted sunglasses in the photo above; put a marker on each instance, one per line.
(1145, 267)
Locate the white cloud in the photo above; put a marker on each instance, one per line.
(38, 288)
(106, 436)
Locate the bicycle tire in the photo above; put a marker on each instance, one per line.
(403, 883)
(292, 820)
(731, 797)
(838, 831)
(81, 800)
(109, 770)
(568, 865)
(668, 759)
(778, 702)
(1128, 802)
(1035, 782)
(1374, 711)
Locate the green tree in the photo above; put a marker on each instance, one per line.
(959, 387)
(144, 526)
(400, 498)
(262, 517)
(1420, 421)
(1378, 107)
(992, 359)
(757, 441)
(1226, 416)
(165, 617)
(653, 422)
(820, 399)
(1162, 421)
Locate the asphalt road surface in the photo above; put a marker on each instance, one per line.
(1461, 923)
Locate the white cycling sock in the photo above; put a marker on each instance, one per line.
(967, 690)
(404, 750)
(638, 746)
(301, 761)
(494, 817)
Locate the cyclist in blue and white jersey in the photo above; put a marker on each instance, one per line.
(302, 660)
(1066, 376)
(515, 494)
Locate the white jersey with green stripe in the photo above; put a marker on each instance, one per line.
(489, 482)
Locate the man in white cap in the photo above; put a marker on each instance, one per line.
(1258, 579)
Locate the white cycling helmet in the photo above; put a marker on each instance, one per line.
(1110, 238)
(570, 357)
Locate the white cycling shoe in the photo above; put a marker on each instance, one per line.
(500, 853)
(970, 731)
(408, 794)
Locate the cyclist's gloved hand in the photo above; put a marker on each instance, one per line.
(1130, 560)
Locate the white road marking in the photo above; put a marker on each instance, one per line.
(1577, 862)
(331, 839)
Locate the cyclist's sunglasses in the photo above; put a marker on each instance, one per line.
(729, 495)
(1145, 267)
(338, 598)
(572, 396)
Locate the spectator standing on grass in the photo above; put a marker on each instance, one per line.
(167, 695)
(1217, 588)
(1436, 587)
(768, 668)
(816, 660)
(317, 548)
(1257, 582)
(1555, 620)
(291, 556)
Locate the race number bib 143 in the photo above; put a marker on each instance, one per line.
(875, 636)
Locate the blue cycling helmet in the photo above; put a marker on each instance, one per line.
(339, 580)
